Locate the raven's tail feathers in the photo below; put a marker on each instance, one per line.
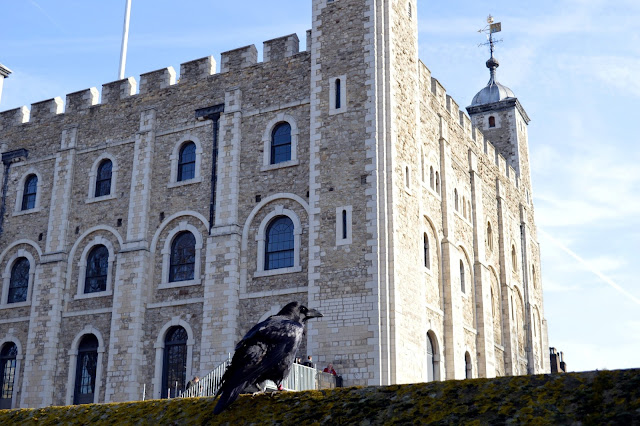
(227, 398)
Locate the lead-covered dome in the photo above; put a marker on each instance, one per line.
(494, 91)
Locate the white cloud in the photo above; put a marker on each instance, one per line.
(616, 72)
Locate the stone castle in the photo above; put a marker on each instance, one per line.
(143, 234)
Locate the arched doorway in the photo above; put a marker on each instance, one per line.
(468, 369)
(8, 357)
(431, 364)
(86, 365)
(174, 366)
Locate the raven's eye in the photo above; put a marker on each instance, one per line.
(303, 309)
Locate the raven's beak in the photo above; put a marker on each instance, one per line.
(312, 313)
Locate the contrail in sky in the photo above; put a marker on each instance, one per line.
(33, 2)
(589, 267)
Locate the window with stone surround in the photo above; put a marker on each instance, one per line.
(489, 237)
(86, 369)
(183, 257)
(279, 242)
(186, 160)
(432, 183)
(30, 191)
(407, 178)
(425, 251)
(102, 179)
(19, 282)
(97, 270)
(455, 198)
(8, 364)
(337, 94)
(438, 183)
(462, 277)
(343, 225)
(433, 357)
(492, 121)
(281, 143)
(174, 371)
(468, 366)
(18, 279)
(284, 153)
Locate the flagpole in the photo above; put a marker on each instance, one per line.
(125, 40)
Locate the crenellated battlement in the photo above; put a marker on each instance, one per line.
(237, 59)
(281, 47)
(82, 99)
(118, 90)
(276, 49)
(197, 69)
(157, 80)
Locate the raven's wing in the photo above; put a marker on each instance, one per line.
(260, 353)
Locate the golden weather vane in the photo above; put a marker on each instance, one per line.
(490, 29)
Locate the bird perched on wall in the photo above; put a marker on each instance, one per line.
(266, 352)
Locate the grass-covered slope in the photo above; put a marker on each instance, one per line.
(604, 397)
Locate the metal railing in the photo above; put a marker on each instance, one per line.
(300, 378)
(209, 384)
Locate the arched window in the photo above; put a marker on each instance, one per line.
(462, 284)
(19, 281)
(407, 178)
(489, 237)
(183, 257)
(467, 364)
(30, 192)
(103, 179)
(8, 357)
(427, 259)
(431, 362)
(492, 121)
(281, 143)
(338, 90)
(344, 224)
(86, 366)
(174, 367)
(187, 162)
(431, 178)
(514, 259)
(280, 244)
(438, 183)
(97, 268)
(455, 198)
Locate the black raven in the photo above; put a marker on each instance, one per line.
(266, 352)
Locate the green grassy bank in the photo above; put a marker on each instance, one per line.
(601, 397)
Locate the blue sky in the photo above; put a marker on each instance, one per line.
(574, 65)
